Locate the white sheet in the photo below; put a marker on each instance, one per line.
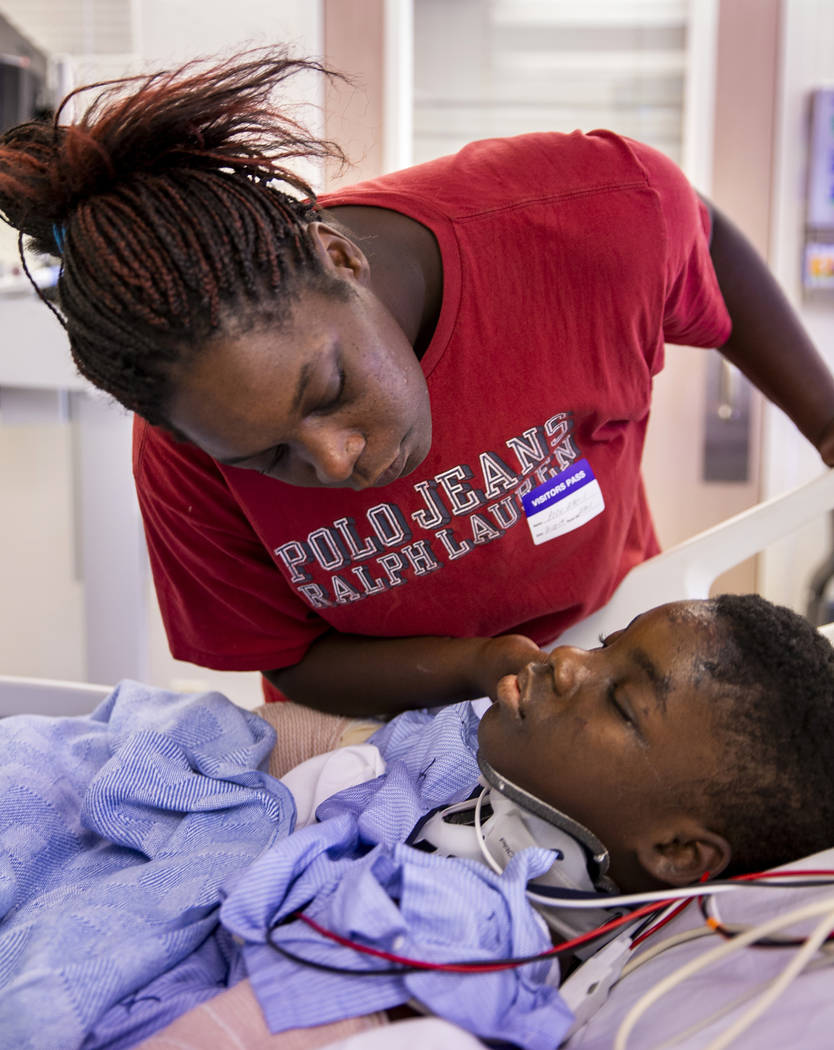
(421, 1033)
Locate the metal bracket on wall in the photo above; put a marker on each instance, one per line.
(726, 450)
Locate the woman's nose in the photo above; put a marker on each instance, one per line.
(333, 452)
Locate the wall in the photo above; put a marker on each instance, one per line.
(739, 182)
(354, 39)
(181, 29)
(807, 62)
(42, 603)
(771, 55)
(41, 611)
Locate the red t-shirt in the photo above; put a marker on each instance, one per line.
(568, 262)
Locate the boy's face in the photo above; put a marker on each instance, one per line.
(616, 736)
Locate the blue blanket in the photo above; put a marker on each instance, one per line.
(117, 831)
(122, 833)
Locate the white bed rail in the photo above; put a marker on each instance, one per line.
(689, 569)
(48, 696)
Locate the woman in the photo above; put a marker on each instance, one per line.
(453, 362)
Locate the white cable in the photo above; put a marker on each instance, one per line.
(691, 935)
(794, 968)
(600, 900)
(700, 889)
(712, 957)
(705, 1022)
(736, 928)
(660, 918)
(728, 1007)
(664, 945)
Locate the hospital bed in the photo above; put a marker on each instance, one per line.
(687, 995)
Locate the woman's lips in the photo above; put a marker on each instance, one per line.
(392, 471)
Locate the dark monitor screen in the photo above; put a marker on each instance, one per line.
(20, 92)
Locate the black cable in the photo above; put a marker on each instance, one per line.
(765, 942)
(390, 971)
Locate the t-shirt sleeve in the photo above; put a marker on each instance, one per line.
(694, 309)
(224, 602)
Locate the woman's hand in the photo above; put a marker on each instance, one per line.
(505, 654)
(350, 674)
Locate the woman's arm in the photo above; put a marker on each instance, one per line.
(354, 675)
(768, 342)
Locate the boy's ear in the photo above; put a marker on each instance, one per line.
(683, 852)
(337, 252)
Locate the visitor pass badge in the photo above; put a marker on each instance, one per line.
(563, 503)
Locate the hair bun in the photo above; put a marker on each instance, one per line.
(32, 198)
(198, 116)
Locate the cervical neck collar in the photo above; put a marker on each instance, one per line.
(516, 820)
(596, 854)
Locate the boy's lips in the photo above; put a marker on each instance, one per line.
(508, 694)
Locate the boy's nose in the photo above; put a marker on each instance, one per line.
(569, 668)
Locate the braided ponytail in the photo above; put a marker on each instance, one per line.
(173, 210)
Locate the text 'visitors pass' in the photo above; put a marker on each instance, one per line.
(563, 503)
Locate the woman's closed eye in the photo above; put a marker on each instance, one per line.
(334, 399)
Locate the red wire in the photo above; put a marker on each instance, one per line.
(659, 925)
(672, 914)
(485, 967)
(787, 872)
(576, 942)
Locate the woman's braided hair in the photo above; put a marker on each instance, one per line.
(173, 213)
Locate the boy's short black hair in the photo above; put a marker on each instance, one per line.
(775, 678)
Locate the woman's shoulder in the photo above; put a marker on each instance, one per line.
(490, 174)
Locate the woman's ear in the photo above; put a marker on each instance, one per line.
(338, 253)
(683, 853)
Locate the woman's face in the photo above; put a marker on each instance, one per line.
(616, 737)
(334, 397)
